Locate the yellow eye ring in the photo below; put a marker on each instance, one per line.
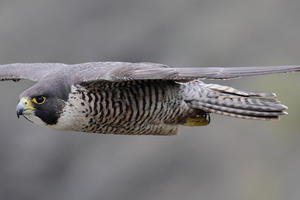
(39, 100)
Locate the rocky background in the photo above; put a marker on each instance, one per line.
(229, 159)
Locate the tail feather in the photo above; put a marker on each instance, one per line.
(236, 112)
(234, 103)
(241, 116)
(246, 104)
(229, 90)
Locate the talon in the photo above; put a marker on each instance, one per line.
(199, 120)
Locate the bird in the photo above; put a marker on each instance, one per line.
(137, 98)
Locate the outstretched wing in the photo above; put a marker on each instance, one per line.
(123, 71)
(120, 71)
(30, 71)
(86, 72)
(232, 72)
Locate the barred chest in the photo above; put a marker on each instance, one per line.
(123, 108)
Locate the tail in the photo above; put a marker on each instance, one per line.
(213, 98)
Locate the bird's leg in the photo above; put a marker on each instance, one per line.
(202, 119)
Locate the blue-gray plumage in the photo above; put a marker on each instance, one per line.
(136, 98)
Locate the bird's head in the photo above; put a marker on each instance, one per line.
(43, 103)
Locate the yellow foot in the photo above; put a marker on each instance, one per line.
(199, 120)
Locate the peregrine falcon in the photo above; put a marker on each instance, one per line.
(136, 98)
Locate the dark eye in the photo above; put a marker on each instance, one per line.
(39, 99)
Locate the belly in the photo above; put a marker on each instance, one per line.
(134, 107)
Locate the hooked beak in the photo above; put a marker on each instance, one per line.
(24, 107)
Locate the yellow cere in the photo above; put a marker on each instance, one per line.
(26, 102)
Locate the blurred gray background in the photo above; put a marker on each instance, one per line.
(229, 159)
